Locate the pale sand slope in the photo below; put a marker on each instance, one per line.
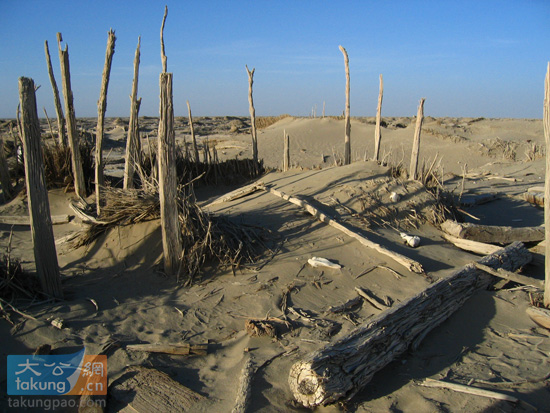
(490, 338)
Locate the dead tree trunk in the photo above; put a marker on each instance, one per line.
(492, 233)
(79, 184)
(101, 108)
(546, 126)
(347, 148)
(341, 369)
(193, 137)
(162, 54)
(286, 151)
(62, 135)
(416, 142)
(252, 119)
(377, 130)
(5, 180)
(171, 235)
(45, 254)
(133, 142)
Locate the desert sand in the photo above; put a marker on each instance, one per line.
(116, 293)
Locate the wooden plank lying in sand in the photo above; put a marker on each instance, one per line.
(24, 220)
(341, 369)
(408, 263)
(148, 390)
(476, 247)
(468, 389)
(237, 193)
(177, 349)
(492, 233)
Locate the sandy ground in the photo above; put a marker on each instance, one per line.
(490, 338)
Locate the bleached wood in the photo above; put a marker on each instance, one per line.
(193, 137)
(5, 180)
(62, 134)
(408, 263)
(101, 109)
(243, 392)
(541, 316)
(177, 349)
(162, 53)
(342, 368)
(45, 253)
(416, 142)
(286, 151)
(168, 181)
(347, 120)
(377, 129)
(480, 248)
(546, 127)
(252, 116)
(25, 220)
(493, 233)
(76, 161)
(468, 389)
(133, 147)
(237, 193)
(511, 276)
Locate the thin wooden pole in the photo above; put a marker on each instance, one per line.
(62, 135)
(192, 127)
(101, 109)
(162, 54)
(171, 236)
(132, 143)
(252, 118)
(347, 149)
(377, 130)
(546, 127)
(324, 109)
(286, 156)
(416, 142)
(5, 174)
(79, 184)
(45, 254)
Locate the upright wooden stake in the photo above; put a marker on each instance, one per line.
(45, 255)
(377, 130)
(62, 135)
(101, 108)
(347, 149)
(286, 156)
(162, 54)
(323, 109)
(195, 148)
(133, 148)
(5, 174)
(416, 142)
(252, 117)
(171, 235)
(546, 127)
(79, 184)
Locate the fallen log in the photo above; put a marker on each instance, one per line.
(237, 193)
(410, 264)
(24, 220)
(341, 369)
(148, 390)
(185, 349)
(491, 233)
(472, 246)
(511, 276)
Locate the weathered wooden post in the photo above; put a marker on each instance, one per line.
(5, 174)
(546, 127)
(323, 109)
(195, 148)
(286, 150)
(416, 143)
(377, 130)
(101, 108)
(45, 254)
(347, 149)
(133, 147)
(162, 53)
(252, 118)
(171, 234)
(62, 134)
(79, 184)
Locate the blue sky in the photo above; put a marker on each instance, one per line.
(467, 58)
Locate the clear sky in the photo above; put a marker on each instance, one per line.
(466, 57)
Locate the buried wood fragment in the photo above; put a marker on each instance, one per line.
(468, 389)
(492, 233)
(410, 264)
(471, 200)
(237, 193)
(143, 389)
(177, 349)
(540, 316)
(323, 262)
(371, 298)
(511, 276)
(535, 198)
(341, 368)
(243, 393)
(261, 327)
(347, 306)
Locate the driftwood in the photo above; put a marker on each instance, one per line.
(510, 276)
(341, 369)
(371, 298)
(468, 389)
(25, 220)
(410, 264)
(472, 246)
(238, 193)
(148, 390)
(265, 327)
(478, 199)
(243, 393)
(416, 141)
(541, 316)
(535, 198)
(347, 306)
(185, 349)
(493, 234)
